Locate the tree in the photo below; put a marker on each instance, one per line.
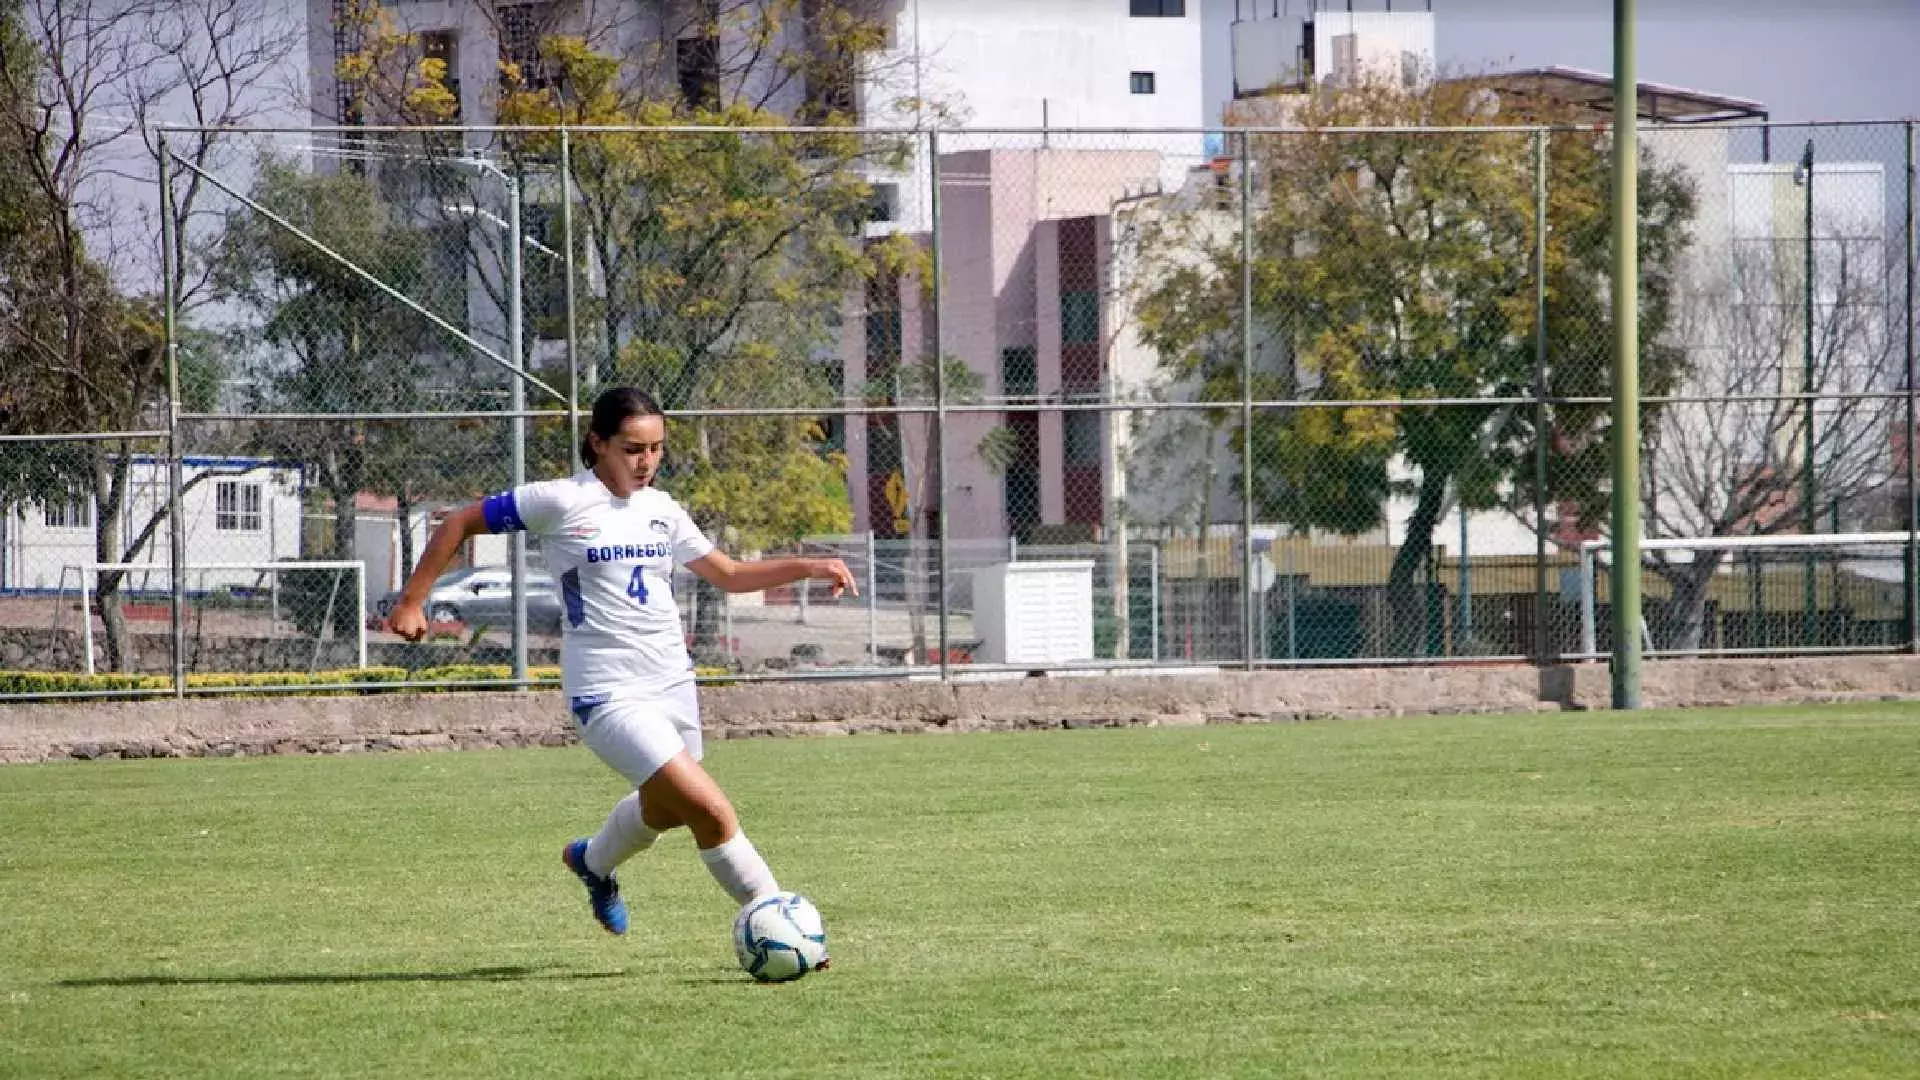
(721, 258)
(699, 243)
(82, 349)
(1731, 458)
(1398, 266)
(336, 344)
(764, 480)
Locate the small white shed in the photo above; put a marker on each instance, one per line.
(1034, 612)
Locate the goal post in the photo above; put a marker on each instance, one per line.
(1799, 545)
(89, 570)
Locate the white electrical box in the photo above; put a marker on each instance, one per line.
(1033, 612)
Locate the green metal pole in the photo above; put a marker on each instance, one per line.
(1626, 364)
(1809, 627)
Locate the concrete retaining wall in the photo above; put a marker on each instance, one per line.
(227, 726)
(31, 648)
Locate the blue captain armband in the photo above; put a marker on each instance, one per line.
(502, 513)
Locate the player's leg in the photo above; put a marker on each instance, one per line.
(683, 788)
(730, 856)
(634, 737)
(682, 708)
(629, 737)
(624, 834)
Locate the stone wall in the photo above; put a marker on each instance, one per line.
(226, 726)
(27, 648)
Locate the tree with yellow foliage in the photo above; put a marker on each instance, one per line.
(723, 256)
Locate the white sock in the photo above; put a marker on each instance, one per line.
(622, 837)
(739, 869)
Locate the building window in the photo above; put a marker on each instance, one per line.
(1141, 82)
(884, 333)
(444, 46)
(830, 66)
(1020, 491)
(1080, 438)
(1019, 373)
(1079, 318)
(886, 488)
(832, 95)
(75, 513)
(521, 28)
(1158, 9)
(884, 203)
(830, 368)
(697, 62)
(236, 506)
(544, 272)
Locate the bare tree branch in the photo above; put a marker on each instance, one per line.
(1739, 463)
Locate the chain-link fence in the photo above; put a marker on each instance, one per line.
(1254, 397)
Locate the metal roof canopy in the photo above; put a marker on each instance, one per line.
(1593, 90)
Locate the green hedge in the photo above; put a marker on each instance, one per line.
(58, 682)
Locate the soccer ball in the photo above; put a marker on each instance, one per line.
(780, 937)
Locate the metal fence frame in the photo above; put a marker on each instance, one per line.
(1238, 147)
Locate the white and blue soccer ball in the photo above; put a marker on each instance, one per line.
(780, 937)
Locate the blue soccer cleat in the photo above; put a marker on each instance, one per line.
(603, 891)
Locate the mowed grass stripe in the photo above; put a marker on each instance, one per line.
(1698, 894)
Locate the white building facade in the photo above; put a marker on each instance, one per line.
(236, 510)
(1328, 44)
(1061, 65)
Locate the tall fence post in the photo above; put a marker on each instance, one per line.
(517, 430)
(1589, 627)
(1153, 594)
(1913, 494)
(1541, 641)
(935, 299)
(873, 600)
(176, 532)
(1810, 619)
(86, 624)
(573, 333)
(1246, 402)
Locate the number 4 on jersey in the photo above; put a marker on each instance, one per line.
(637, 585)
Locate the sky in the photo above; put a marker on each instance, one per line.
(1807, 60)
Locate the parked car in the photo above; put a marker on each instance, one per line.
(483, 596)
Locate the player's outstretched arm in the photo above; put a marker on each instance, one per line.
(408, 617)
(716, 568)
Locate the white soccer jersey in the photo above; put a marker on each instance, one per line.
(613, 562)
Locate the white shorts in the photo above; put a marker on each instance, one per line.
(637, 735)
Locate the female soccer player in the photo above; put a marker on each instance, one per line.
(611, 541)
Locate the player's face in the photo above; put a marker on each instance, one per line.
(632, 456)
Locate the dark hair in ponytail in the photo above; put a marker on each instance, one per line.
(615, 406)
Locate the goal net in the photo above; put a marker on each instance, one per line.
(238, 616)
(1756, 595)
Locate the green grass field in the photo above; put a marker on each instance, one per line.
(1700, 894)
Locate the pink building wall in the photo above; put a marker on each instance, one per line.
(1000, 254)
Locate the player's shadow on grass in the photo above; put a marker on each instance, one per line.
(483, 974)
